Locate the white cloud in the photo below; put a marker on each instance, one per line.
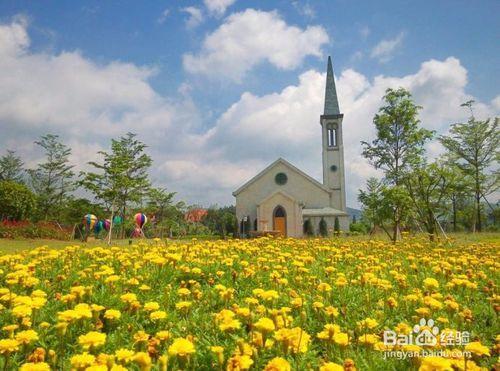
(384, 50)
(195, 16)
(248, 38)
(304, 9)
(89, 103)
(364, 32)
(163, 16)
(218, 7)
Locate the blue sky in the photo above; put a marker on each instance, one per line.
(167, 65)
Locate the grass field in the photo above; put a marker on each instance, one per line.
(274, 304)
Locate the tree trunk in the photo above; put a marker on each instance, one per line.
(454, 206)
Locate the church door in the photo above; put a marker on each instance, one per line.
(279, 220)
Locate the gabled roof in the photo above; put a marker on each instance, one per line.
(287, 164)
(277, 192)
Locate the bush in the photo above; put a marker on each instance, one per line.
(17, 202)
(323, 228)
(25, 229)
(308, 228)
(358, 227)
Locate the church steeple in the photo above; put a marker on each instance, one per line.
(331, 101)
(333, 144)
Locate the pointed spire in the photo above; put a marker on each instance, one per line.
(331, 101)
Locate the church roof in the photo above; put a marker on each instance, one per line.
(331, 100)
(325, 211)
(287, 164)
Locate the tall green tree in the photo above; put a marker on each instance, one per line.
(52, 180)
(398, 147)
(159, 202)
(221, 220)
(121, 179)
(429, 188)
(11, 167)
(475, 145)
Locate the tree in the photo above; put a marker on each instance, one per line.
(159, 202)
(336, 226)
(52, 180)
(323, 228)
(17, 202)
(429, 187)
(308, 228)
(11, 167)
(222, 221)
(399, 145)
(475, 145)
(122, 177)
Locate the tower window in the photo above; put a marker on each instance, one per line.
(331, 137)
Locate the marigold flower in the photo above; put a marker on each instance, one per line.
(181, 347)
(265, 325)
(31, 366)
(8, 346)
(92, 339)
(278, 364)
(112, 314)
(330, 366)
(477, 348)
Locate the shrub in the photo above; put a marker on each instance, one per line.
(17, 202)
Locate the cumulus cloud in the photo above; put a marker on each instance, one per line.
(195, 16)
(89, 103)
(218, 7)
(384, 50)
(251, 37)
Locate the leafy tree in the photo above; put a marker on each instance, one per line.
(429, 187)
(76, 208)
(17, 202)
(475, 145)
(159, 202)
(122, 178)
(399, 145)
(222, 221)
(52, 180)
(11, 167)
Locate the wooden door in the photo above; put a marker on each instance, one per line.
(279, 220)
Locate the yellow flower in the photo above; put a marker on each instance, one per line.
(329, 330)
(341, 339)
(181, 347)
(151, 306)
(112, 314)
(183, 305)
(367, 323)
(265, 325)
(239, 362)
(124, 355)
(330, 366)
(431, 283)
(92, 339)
(368, 339)
(477, 348)
(30, 366)
(278, 364)
(26, 337)
(163, 335)
(143, 360)
(8, 346)
(158, 315)
(435, 364)
(81, 361)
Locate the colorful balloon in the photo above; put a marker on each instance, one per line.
(117, 220)
(140, 219)
(107, 224)
(99, 225)
(89, 221)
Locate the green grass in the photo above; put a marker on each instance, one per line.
(12, 246)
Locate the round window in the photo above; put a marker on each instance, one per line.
(281, 178)
(333, 168)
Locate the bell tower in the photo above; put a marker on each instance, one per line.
(333, 146)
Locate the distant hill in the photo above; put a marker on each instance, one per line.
(354, 213)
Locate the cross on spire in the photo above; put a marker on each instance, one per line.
(331, 101)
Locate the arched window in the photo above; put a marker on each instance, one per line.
(279, 212)
(331, 136)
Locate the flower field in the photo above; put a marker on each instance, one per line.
(273, 304)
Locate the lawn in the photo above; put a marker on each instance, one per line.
(274, 304)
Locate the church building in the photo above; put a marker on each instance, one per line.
(284, 199)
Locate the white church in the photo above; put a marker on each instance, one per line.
(284, 199)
